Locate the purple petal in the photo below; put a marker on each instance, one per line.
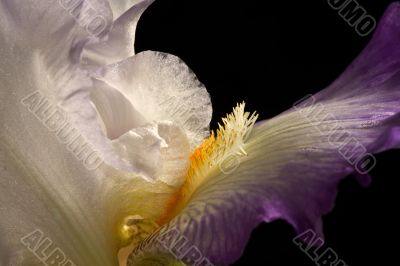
(296, 160)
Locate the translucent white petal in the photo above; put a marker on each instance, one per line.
(120, 41)
(120, 7)
(161, 87)
(175, 156)
(117, 112)
(160, 150)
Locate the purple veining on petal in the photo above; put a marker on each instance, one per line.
(281, 182)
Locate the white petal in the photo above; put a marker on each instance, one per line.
(141, 147)
(175, 156)
(119, 7)
(161, 87)
(56, 183)
(120, 41)
(160, 150)
(117, 112)
(45, 184)
(44, 188)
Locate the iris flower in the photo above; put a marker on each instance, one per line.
(106, 156)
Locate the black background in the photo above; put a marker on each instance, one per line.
(271, 54)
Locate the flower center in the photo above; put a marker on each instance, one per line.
(133, 230)
(211, 156)
(207, 158)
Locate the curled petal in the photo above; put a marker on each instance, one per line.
(116, 111)
(289, 167)
(120, 7)
(120, 41)
(159, 151)
(161, 87)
